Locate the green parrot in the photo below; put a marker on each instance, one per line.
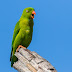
(23, 30)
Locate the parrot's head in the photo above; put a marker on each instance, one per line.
(29, 13)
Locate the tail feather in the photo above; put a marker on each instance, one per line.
(13, 59)
(11, 54)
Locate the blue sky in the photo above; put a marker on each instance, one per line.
(52, 35)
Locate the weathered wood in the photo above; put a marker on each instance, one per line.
(31, 62)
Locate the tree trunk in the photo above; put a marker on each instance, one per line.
(31, 62)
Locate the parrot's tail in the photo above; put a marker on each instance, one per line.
(13, 59)
(11, 54)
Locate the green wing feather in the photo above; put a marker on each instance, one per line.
(16, 30)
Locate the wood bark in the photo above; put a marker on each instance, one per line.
(31, 62)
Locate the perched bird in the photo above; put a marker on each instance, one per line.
(22, 35)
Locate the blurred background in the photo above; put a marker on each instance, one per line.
(52, 34)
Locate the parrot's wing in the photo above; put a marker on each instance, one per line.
(16, 30)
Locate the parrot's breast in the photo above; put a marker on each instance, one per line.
(27, 38)
(27, 34)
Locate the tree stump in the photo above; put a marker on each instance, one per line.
(31, 62)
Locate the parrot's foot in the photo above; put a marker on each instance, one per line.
(20, 46)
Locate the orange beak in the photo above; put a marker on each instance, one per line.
(33, 13)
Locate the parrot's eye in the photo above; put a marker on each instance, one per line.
(27, 11)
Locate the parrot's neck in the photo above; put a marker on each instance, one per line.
(26, 22)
